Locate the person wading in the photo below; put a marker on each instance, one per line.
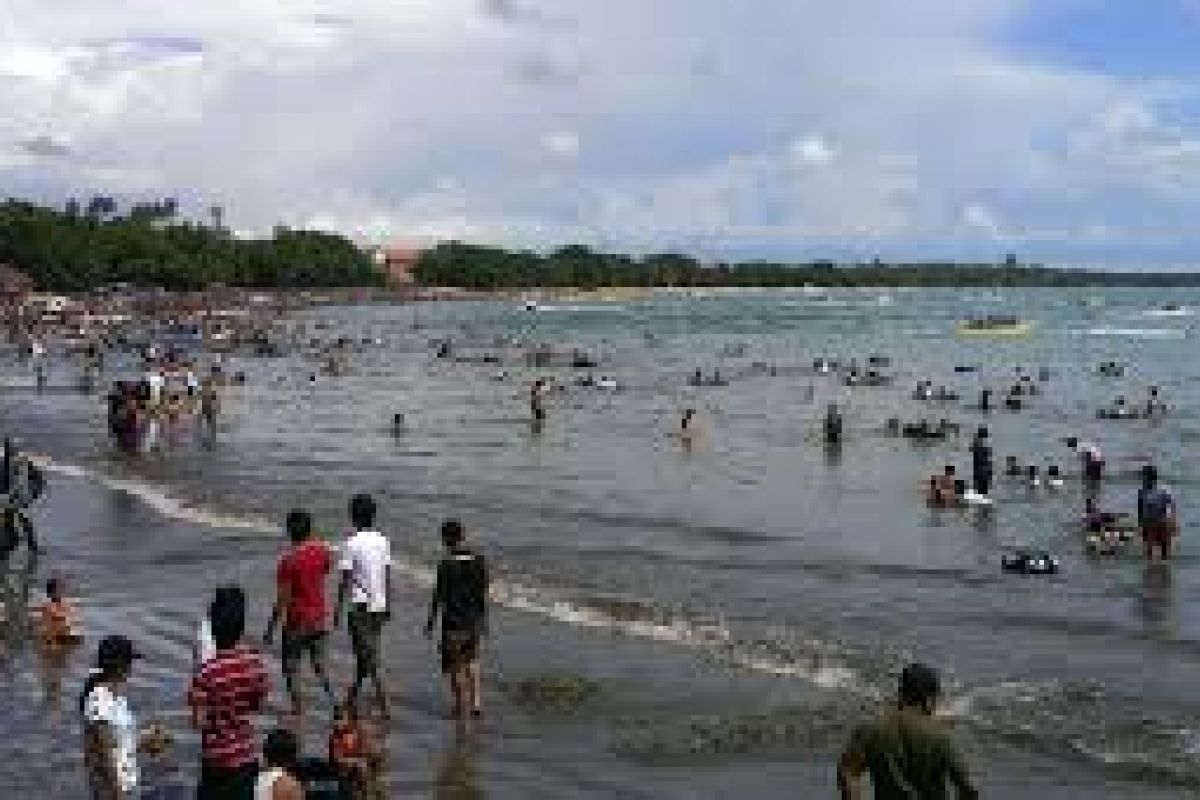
(907, 752)
(300, 601)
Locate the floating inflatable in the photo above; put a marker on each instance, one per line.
(1029, 562)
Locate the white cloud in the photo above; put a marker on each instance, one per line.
(564, 144)
(812, 150)
(473, 117)
(980, 219)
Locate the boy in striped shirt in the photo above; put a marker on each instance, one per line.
(230, 688)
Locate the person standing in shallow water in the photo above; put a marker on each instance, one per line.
(537, 402)
(906, 751)
(1157, 515)
(833, 425)
(366, 567)
(228, 691)
(210, 406)
(300, 602)
(981, 462)
(460, 599)
(111, 739)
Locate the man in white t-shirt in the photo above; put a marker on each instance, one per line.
(366, 567)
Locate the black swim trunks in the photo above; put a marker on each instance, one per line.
(297, 643)
(458, 648)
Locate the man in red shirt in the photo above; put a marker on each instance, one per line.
(300, 601)
(228, 690)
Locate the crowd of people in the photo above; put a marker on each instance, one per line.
(906, 751)
(229, 686)
(166, 403)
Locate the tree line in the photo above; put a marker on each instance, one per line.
(577, 266)
(94, 242)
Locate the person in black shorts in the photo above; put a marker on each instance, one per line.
(537, 403)
(460, 598)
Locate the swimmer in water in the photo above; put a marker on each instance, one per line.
(942, 490)
(1154, 405)
(1053, 478)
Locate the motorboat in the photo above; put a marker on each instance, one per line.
(992, 325)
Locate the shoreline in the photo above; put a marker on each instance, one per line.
(695, 730)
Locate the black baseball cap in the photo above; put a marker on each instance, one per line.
(116, 651)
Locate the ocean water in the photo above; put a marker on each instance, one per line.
(741, 574)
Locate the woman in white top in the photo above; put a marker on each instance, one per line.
(111, 742)
(277, 781)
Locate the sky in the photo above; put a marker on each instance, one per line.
(1065, 131)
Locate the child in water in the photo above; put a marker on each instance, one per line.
(56, 618)
(355, 753)
(942, 491)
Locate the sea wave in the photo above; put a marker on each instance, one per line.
(1056, 716)
(815, 664)
(1147, 333)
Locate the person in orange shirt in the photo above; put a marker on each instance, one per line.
(356, 754)
(56, 617)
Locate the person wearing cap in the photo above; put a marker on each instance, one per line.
(277, 781)
(906, 751)
(111, 740)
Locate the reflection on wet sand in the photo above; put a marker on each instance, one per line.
(458, 772)
(1156, 599)
(16, 577)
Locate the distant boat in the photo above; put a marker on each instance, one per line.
(994, 326)
(1169, 310)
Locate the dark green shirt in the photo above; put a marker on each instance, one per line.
(909, 756)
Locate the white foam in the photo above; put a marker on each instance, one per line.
(1170, 312)
(714, 637)
(159, 500)
(574, 308)
(1148, 333)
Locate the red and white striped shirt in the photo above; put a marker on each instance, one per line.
(226, 692)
